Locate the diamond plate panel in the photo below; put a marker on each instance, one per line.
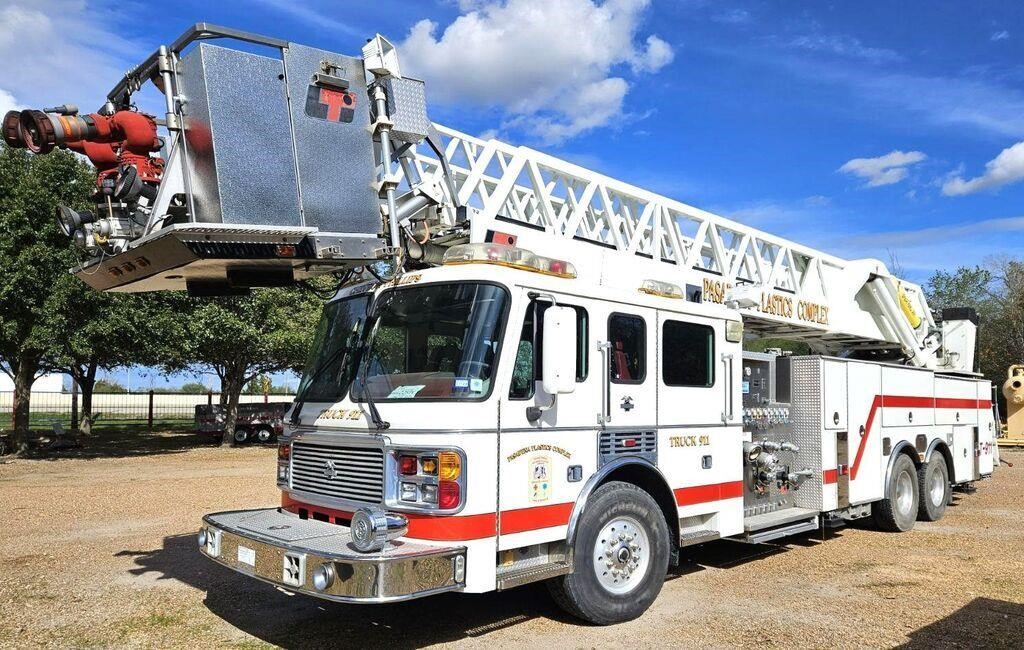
(407, 109)
(807, 430)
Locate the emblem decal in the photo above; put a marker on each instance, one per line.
(329, 470)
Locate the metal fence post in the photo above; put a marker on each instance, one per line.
(151, 409)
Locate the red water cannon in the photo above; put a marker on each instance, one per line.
(111, 142)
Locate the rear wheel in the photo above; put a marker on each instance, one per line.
(263, 433)
(898, 511)
(621, 555)
(933, 486)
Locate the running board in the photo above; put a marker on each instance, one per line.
(532, 574)
(698, 537)
(758, 529)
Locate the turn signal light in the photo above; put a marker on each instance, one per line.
(283, 452)
(451, 466)
(429, 466)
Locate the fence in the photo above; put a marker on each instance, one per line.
(151, 409)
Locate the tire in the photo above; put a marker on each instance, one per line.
(897, 512)
(933, 486)
(263, 434)
(3, 447)
(241, 435)
(602, 594)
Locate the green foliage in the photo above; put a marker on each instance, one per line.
(760, 345)
(996, 292)
(108, 386)
(34, 254)
(193, 387)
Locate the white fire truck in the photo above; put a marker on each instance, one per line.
(545, 378)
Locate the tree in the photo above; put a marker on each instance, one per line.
(996, 292)
(242, 337)
(34, 256)
(95, 331)
(108, 386)
(193, 387)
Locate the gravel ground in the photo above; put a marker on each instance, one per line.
(97, 549)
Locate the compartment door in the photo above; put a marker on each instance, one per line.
(865, 433)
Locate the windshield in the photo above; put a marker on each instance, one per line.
(330, 369)
(435, 342)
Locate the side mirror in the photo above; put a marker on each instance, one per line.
(559, 350)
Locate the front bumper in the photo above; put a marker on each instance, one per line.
(280, 548)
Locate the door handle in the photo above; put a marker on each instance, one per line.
(604, 416)
(729, 412)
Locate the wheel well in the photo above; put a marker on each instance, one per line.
(648, 480)
(906, 449)
(943, 448)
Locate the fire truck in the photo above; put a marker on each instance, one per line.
(528, 371)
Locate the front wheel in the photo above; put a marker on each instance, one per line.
(241, 435)
(620, 557)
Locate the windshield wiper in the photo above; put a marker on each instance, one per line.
(364, 366)
(300, 400)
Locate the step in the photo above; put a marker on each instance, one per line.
(532, 574)
(698, 537)
(775, 518)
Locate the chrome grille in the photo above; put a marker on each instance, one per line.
(350, 473)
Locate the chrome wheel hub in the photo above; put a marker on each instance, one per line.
(904, 493)
(937, 489)
(620, 555)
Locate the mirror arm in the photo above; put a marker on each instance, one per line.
(533, 413)
(534, 295)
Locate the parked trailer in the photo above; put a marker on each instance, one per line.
(262, 422)
(550, 383)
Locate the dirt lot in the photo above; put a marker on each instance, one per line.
(97, 549)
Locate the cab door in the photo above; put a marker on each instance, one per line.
(547, 445)
(629, 355)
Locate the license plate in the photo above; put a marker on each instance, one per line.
(247, 556)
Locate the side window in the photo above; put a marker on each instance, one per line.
(528, 362)
(687, 354)
(627, 335)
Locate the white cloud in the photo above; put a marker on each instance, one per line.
(7, 102)
(1007, 167)
(845, 46)
(556, 68)
(1001, 35)
(732, 16)
(62, 51)
(883, 170)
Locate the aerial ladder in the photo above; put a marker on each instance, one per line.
(246, 190)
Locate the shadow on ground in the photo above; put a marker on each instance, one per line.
(305, 622)
(125, 442)
(981, 623)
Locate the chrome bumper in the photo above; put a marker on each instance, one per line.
(280, 548)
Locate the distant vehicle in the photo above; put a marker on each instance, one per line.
(255, 422)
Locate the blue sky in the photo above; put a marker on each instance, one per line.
(857, 131)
